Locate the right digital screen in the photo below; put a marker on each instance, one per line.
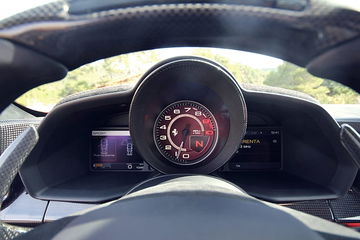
(260, 149)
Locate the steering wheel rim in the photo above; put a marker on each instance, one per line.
(190, 207)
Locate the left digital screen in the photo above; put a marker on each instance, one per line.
(114, 150)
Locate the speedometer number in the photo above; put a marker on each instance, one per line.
(185, 132)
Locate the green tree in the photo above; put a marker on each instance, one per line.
(242, 73)
(295, 78)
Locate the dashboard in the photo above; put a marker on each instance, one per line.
(113, 150)
(188, 115)
(188, 135)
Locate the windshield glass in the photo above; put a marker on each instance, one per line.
(247, 68)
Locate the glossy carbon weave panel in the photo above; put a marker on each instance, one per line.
(13, 157)
(10, 162)
(10, 129)
(51, 11)
(8, 232)
(316, 208)
(347, 208)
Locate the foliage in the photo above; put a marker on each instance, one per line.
(128, 68)
(243, 73)
(325, 91)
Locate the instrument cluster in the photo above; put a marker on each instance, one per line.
(188, 115)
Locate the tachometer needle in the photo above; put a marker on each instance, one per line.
(179, 151)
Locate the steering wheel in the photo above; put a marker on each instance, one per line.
(190, 207)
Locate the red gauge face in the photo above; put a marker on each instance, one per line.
(185, 132)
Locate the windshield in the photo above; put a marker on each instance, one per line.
(247, 68)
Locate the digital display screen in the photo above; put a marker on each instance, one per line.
(114, 150)
(261, 148)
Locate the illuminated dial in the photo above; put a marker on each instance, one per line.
(185, 132)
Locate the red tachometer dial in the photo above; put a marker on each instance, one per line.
(185, 132)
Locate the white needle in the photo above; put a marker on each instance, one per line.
(179, 151)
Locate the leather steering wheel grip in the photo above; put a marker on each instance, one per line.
(10, 162)
(192, 207)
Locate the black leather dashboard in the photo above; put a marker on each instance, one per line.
(44, 210)
(60, 161)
